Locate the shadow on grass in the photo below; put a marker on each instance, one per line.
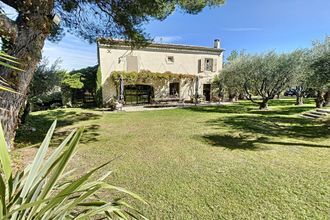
(234, 108)
(246, 143)
(280, 121)
(276, 126)
(278, 107)
(25, 136)
(288, 110)
(230, 142)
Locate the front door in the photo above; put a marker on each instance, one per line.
(207, 92)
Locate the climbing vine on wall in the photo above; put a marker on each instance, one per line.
(148, 76)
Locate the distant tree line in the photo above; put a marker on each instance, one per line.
(262, 77)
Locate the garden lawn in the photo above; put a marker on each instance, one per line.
(227, 162)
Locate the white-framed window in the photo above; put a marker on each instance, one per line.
(170, 59)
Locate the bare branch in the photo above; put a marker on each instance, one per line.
(8, 28)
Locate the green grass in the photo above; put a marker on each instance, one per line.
(229, 162)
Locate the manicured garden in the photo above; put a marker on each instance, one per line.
(225, 162)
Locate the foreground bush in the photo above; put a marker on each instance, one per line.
(40, 191)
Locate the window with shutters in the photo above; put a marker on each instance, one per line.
(208, 64)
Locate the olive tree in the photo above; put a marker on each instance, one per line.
(320, 77)
(233, 80)
(301, 81)
(264, 76)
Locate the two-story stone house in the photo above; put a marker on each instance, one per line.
(200, 63)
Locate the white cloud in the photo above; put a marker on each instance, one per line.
(241, 29)
(167, 39)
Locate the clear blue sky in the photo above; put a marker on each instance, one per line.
(253, 25)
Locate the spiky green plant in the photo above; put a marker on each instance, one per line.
(40, 191)
(9, 62)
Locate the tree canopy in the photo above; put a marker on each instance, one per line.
(262, 75)
(267, 75)
(320, 64)
(101, 18)
(45, 78)
(320, 71)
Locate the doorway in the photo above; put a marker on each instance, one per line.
(138, 94)
(207, 92)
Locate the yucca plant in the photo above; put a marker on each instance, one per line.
(11, 63)
(41, 191)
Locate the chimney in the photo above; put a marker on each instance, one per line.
(217, 43)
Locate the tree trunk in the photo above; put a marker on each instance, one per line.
(319, 101)
(264, 104)
(278, 96)
(233, 97)
(26, 112)
(299, 95)
(299, 100)
(327, 99)
(27, 48)
(241, 96)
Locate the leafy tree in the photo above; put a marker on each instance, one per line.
(233, 55)
(232, 81)
(88, 78)
(25, 37)
(43, 88)
(45, 78)
(218, 87)
(263, 76)
(301, 81)
(69, 82)
(320, 76)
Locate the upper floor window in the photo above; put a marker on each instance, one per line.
(170, 59)
(208, 64)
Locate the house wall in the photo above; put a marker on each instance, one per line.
(155, 60)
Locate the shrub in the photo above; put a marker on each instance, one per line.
(40, 191)
(46, 101)
(98, 95)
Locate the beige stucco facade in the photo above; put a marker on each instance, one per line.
(202, 62)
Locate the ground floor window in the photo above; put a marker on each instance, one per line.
(138, 94)
(174, 89)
